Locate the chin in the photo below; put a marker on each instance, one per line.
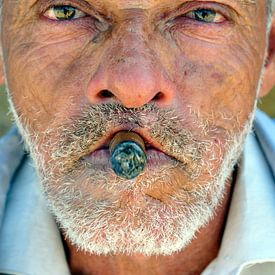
(156, 214)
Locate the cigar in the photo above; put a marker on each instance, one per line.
(127, 154)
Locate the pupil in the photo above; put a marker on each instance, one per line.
(64, 12)
(205, 15)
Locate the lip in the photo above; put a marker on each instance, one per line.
(150, 143)
(99, 155)
(100, 159)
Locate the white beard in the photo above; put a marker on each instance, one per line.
(99, 226)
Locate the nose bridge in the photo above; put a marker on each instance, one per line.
(130, 69)
(133, 60)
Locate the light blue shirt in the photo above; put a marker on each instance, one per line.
(30, 241)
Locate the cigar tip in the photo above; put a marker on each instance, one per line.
(126, 136)
(128, 159)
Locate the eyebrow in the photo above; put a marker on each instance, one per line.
(241, 1)
(248, 2)
(33, 2)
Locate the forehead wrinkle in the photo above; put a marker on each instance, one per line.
(248, 2)
(127, 3)
(19, 3)
(170, 5)
(146, 4)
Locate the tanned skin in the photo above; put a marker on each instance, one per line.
(54, 68)
(192, 260)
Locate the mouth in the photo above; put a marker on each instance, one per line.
(99, 155)
(149, 142)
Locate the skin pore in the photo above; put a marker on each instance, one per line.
(182, 74)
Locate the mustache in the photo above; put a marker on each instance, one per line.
(80, 133)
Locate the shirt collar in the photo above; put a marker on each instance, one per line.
(30, 242)
(249, 239)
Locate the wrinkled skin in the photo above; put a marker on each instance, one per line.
(146, 50)
(48, 61)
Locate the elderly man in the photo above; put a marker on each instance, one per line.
(183, 76)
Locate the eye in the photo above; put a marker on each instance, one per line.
(64, 12)
(206, 16)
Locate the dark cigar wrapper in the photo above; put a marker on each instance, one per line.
(128, 158)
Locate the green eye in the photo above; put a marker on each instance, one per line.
(206, 16)
(64, 13)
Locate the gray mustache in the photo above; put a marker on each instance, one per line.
(163, 125)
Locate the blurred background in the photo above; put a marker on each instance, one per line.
(267, 104)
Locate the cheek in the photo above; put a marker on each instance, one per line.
(218, 82)
(47, 78)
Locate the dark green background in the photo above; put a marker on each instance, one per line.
(267, 104)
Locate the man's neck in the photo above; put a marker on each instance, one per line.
(192, 260)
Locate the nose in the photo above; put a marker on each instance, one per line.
(130, 73)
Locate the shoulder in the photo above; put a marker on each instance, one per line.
(264, 128)
(11, 154)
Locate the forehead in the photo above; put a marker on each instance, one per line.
(128, 4)
(17, 11)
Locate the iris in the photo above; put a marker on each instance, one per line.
(64, 12)
(204, 15)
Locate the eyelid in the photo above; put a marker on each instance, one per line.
(50, 10)
(218, 14)
(81, 5)
(226, 11)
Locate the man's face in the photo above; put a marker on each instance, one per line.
(182, 74)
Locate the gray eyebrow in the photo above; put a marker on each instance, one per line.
(245, 2)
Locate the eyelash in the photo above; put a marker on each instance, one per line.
(188, 8)
(193, 16)
(191, 7)
(82, 6)
(77, 12)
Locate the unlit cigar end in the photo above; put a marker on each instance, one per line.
(128, 158)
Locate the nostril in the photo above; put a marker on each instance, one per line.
(105, 94)
(158, 96)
